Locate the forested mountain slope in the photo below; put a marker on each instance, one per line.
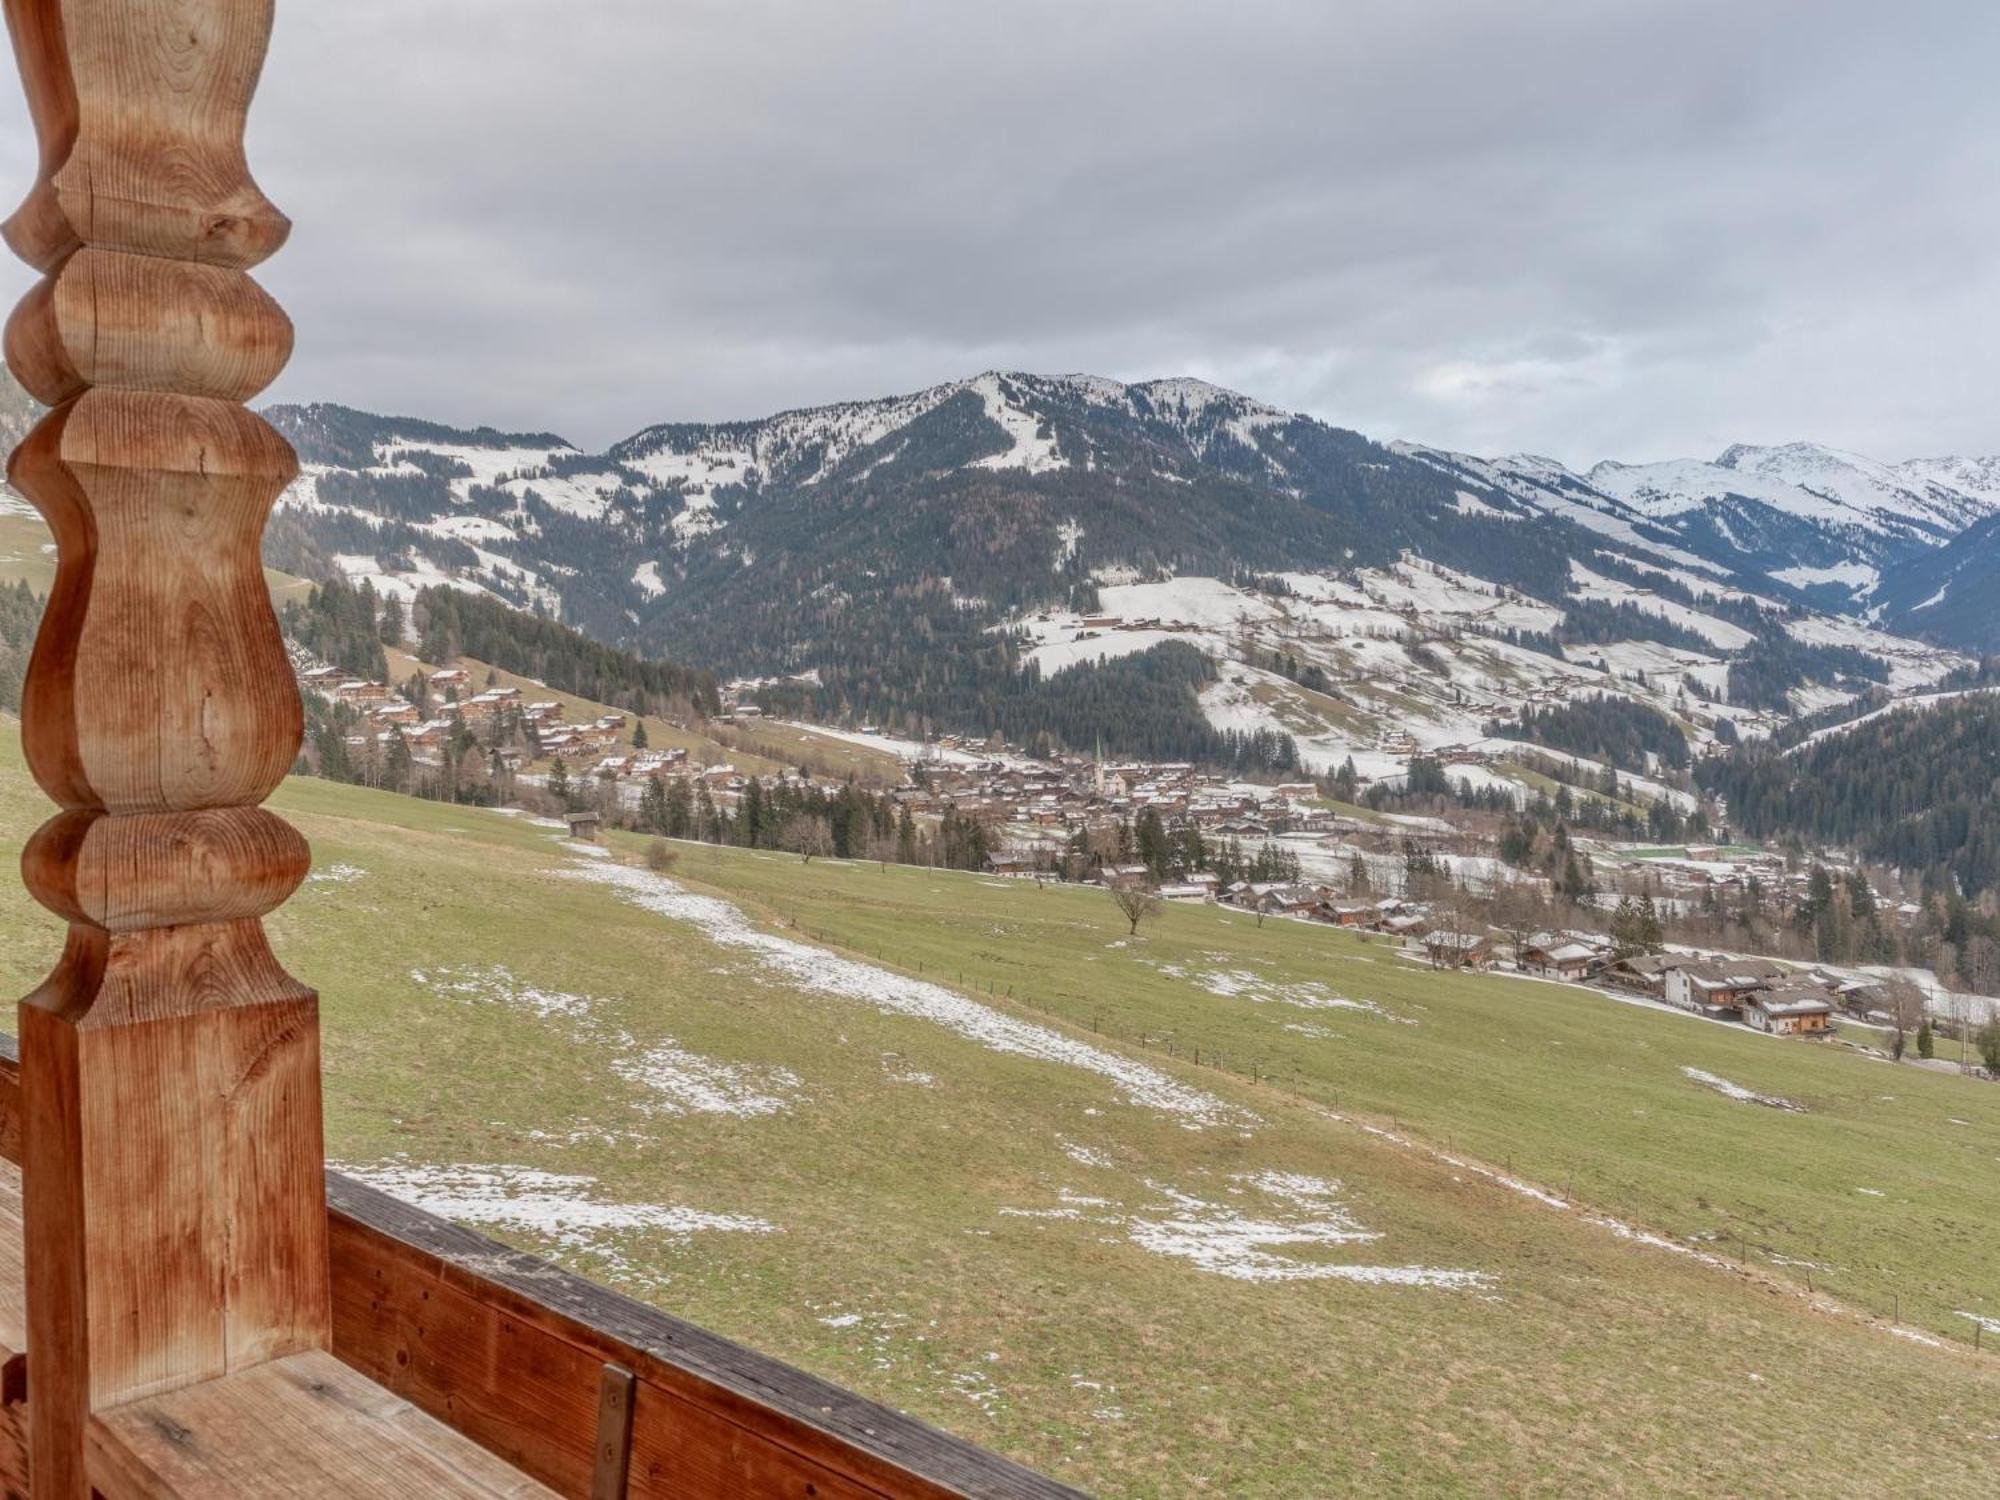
(1916, 788)
(958, 556)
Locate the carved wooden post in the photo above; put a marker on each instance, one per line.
(175, 1204)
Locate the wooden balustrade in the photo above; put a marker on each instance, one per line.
(195, 1320)
(510, 1351)
(174, 1217)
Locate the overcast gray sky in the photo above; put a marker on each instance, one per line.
(1588, 228)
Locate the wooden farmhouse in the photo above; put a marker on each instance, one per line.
(1560, 958)
(1789, 1008)
(1458, 950)
(1644, 972)
(190, 1303)
(1718, 987)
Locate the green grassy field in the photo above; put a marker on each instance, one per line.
(1148, 1275)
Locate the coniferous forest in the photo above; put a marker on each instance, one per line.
(1615, 730)
(1918, 790)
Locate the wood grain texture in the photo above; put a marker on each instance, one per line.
(139, 106)
(613, 1470)
(175, 1217)
(510, 1350)
(305, 1427)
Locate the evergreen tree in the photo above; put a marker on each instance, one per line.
(396, 775)
(653, 815)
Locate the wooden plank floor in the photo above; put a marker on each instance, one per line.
(307, 1426)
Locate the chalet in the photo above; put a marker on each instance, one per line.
(1121, 874)
(1286, 900)
(1644, 972)
(356, 691)
(1010, 864)
(448, 677)
(1789, 1008)
(1407, 924)
(1716, 987)
(1187, 891)
(1349, 914)
(1244, 828)
(1458, 950)
(1559, 958)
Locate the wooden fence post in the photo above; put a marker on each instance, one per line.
(175, 1207)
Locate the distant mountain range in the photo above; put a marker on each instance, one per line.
(950, 556)
(1826, 525)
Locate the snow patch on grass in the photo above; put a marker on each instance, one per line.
(1241, 984)
(1087, 1156)
(557, 1205)
(496, 985)
(689, 1083)
(335, 874)
(816, 971)
(1742, 1095)
(1270, 1243)
(681, 1081)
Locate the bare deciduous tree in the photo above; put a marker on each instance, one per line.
(1906, 1008)
(882, 848)
(806, 835)
(1134, 902)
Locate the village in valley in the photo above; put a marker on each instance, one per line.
(1442, 886)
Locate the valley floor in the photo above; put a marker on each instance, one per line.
(945, 1139)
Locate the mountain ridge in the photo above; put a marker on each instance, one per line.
(934, 556)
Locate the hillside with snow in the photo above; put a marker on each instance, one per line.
(925, 556)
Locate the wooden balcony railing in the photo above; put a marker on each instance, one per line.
(188, 1306)
(580, 1389)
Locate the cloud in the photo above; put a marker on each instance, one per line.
(1636, 229)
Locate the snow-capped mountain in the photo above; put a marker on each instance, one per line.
(1884, 495)
(933, 553)
(1977, 477)
(1802, 519)
(1824, 486)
